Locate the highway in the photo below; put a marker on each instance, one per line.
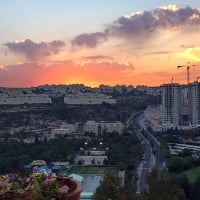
(155, 144)
(152, 154)
(146, 164)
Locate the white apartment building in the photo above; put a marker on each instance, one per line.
(22, 99)
(92, 127)
(171, 105)
(88, 98)
(91, 160)
(101, 127)
(110, 127)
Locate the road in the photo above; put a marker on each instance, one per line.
(155, 144)
(152, 155)
(146, 164)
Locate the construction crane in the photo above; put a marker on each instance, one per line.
(188, 71)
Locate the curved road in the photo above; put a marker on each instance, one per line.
(152, 155)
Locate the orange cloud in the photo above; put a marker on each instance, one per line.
(92, 73)
(65, 72)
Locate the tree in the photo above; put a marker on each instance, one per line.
(183, 182)
(109, 189)
(105, 161)
(195, 191)
(186, 153)
(162, 187)
(176, 165)
(93, 161)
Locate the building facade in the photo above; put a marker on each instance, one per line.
(103, 127)
(24, 99)
(171, 105)
(88, 99)
(195, 103)
(181, 105)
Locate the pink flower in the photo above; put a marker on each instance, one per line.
(35, 169)
(47, 181)
(65, 188)
(30, 181)
(4, 183)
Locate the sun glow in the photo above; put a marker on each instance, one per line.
(192, 54)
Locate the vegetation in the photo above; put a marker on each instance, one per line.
(184, 168)
(13, 154)
(162, 187)
(41, 116)
(34, 186)
(179, 164)
(192, 174)
(110, 189)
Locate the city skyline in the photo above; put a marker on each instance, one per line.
(98, 42)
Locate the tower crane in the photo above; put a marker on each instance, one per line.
(188, 71)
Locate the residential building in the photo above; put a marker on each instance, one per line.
(80, 128)
(195, 103)
(92, 127)
(113, 126)
(103, 126)
(149, 90)
(24, 99)
(171, 107)
(90, 160)
(88, 99)
(181, 105)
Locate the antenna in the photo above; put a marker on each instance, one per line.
(172, 80)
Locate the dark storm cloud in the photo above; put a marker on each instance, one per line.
(89, 40)
(140, 24)
(34, 51)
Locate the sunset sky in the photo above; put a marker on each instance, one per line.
(96, 42)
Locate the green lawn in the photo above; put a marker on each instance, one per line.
(192, 174)
(92, 170)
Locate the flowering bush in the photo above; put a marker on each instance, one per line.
(36, 186)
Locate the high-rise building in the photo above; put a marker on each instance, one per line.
(185, 110)
(181, 105)
(194, 99)
(171, 105)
